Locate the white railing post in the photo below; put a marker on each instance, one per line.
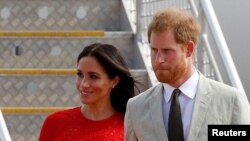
(4, 133)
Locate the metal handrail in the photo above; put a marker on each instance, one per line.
(221, 43)
(194, 8)
(205, 41)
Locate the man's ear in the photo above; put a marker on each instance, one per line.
(190, 48)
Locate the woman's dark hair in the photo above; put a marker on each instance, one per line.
(114, 65)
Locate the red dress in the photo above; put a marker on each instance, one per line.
(71, 125)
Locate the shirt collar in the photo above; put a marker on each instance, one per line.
(188, 88)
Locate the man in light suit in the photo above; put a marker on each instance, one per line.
(173, 36)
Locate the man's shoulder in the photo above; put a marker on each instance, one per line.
(216, 85)
(220, 89)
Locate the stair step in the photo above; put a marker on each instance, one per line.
(36, 71)
(46, 71)
(63, 15)
(30, 110)
(86, 33)
(61, 52)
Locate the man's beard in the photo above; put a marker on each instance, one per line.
(171, 75)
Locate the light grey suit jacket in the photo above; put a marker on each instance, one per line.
(215, 103)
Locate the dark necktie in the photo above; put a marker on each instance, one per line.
(175, 130)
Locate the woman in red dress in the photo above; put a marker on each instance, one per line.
(104, 84)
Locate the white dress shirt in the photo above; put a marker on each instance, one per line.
(186, 99)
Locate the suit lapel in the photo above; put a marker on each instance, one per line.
(156, 113)
(201, 104)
